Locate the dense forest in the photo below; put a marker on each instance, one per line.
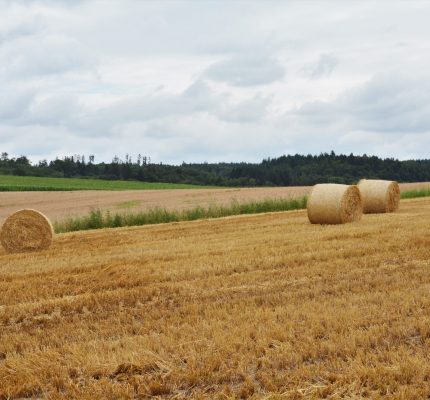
(286, 170)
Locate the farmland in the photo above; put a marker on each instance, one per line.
(59, 205)
(9, 183)
(243, 306)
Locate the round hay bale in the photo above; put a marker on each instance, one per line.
(330, 203)
(26, 231)
(379, 196)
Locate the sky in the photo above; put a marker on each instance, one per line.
(213, 81)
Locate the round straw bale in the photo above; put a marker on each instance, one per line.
(26, 231)
(330, 203)
(379, 196)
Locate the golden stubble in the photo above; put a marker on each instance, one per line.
(248, 306)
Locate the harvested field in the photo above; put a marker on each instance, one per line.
(242, 306)
(60, 205)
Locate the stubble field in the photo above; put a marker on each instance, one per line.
(263, 306)
(60, 205)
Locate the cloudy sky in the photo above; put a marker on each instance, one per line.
(213, 80)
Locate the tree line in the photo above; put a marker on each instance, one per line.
(287, 170)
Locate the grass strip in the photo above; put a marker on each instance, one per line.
(412, 194)
(98, 219)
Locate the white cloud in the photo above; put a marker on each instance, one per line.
(214, 81)
(247, 70)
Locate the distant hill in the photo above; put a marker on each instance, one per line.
(287, 170)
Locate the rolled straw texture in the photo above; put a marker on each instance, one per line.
(330, 203)
(379, 196)
(26, 231)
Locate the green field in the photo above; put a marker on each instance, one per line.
(10, 183)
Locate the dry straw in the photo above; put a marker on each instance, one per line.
(379, 196)
(330, 203)
(26, 231)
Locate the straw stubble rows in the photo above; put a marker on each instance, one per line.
(242, 306)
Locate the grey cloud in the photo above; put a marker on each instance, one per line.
(247, 70)
(197, 98)
(56, 109)
(65, 110)
(16, 32)
(322, 68)
(180, 27)
(200, 137)
(379, 114)
(388, 103)
(16, 23)
(246, 111)
(14, 106)
(43, 55)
